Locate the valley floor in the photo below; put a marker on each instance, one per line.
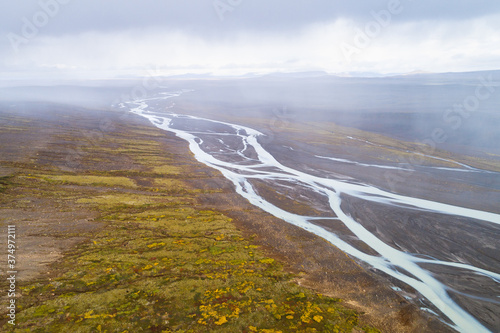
(120, 229)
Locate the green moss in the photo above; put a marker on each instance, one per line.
(168, 183)
(4, 183)
(94, 180)
(167, 170)
(126, 199)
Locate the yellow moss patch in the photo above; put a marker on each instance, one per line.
(95, 180)
(168, 183)
(124, 199)
(222, 320)
(167, 170)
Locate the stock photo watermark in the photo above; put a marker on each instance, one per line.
(11, 274)
(372, 29)
(32, 25)
(454, 118)
(281, 119)
(222, 7)
(139, 92)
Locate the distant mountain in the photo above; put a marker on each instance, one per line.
(360, 74)
(450, 75)
(297, 74)
(191, 76)
(416, 72)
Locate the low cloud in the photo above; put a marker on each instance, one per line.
(340, 45)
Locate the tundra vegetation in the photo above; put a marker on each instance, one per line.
(151, 259)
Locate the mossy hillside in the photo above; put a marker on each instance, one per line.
(189, 271)
(161, 262)
(173, 268)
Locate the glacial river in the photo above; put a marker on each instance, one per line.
(235, 151)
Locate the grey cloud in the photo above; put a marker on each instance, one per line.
(254, 33)
(200, 17)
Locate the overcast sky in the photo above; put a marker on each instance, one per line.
(95, 37)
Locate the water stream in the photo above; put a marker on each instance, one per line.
(235, 151)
